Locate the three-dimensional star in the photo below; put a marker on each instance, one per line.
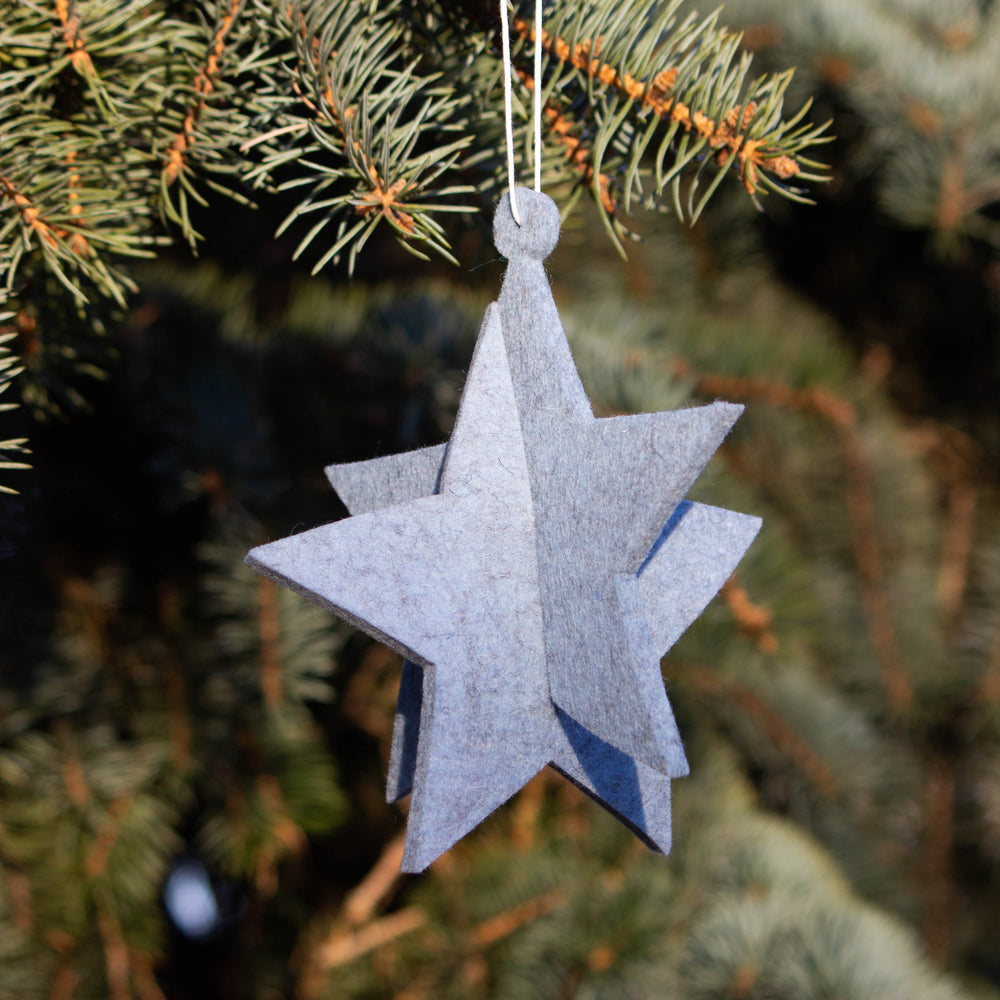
(532, 572)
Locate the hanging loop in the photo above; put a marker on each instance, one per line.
(508, 72)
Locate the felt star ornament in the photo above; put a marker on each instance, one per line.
(532, 572)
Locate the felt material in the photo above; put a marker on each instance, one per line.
(636, 794)
(639, 796)
(383, 482)
(531, 572)
(450, 581)
(695, 554)
(369, 486)
(602, 491)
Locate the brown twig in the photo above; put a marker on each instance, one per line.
(29, 344)
(574, 814)
(145, 981)
(989, 687)
(815, 400)
(75, 209)
(744, 979)
(116, 958)
(956, 547)
(834, 69)
(72, 37)
(752, 620)
(287, 833)
(361, 902)
(343, 948)
(762, 36)
(939, 789)
(923, 118)
(107, 836)
(384, 200)
(204, 85)
(952, 201)
(506, 923)
(954, 458)
(74, 779)
(868, 559)
(369, 699)
(20, 897)
(51, 234)
(579, 156)
(527, 807)
(325, 938)
(343, 944)
(65, 981)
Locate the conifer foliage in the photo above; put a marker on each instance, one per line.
(921, 75)
(121, 119)
(164, 711)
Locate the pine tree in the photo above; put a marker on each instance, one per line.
(163, 710)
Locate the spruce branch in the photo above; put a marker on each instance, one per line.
(10, 368)
(661, 100)
(205, 82)
(61, 209)
(277, 653)
(74, 82)
(201, 122)
(370, 136)
(121, 118)
(404, 162)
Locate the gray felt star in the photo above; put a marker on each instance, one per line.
(532, 572)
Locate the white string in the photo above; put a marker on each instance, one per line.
(537, 146)
(508, 71)
(508, 115)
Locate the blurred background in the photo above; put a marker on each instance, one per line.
(192, 760)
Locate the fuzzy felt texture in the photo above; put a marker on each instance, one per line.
(532, 572)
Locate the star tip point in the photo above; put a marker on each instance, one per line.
(726, 413)
(730, 408)
(254, 559)
(415, 861)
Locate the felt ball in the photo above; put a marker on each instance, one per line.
(538, 233)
